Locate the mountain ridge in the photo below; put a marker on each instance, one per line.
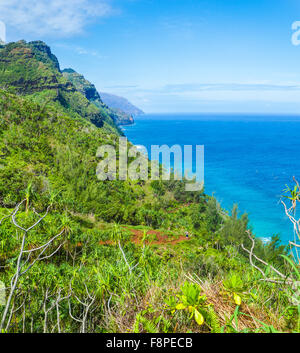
(90, 92)
(32, 70)
(120, 103)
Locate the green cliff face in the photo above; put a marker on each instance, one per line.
(90, 92)
(32, 70)
(30, 67)
(83, 86)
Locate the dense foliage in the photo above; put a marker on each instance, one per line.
(112, 256)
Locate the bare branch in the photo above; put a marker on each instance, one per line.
(20, 262)
(251, 254)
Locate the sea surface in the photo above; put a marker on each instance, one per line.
(249, 159)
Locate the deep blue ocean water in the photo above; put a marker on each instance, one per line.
(248, 159)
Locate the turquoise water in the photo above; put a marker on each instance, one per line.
(248, 159)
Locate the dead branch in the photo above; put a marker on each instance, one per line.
(23, 266)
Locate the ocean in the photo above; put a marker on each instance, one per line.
(249, 159)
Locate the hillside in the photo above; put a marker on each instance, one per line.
(90, 92)
(32, 70)
(120, 103)
(82, 255)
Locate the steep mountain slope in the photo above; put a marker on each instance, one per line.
(56, 155)
(30, 67)
(50, 135)
(120, 103)
(32, 70)
(90, 92)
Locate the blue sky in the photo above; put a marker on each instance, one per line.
(173, 55)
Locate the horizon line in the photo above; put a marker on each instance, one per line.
(221, 113)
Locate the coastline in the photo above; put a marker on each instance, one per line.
(228, 182)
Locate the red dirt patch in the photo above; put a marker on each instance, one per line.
(137, 237)
(107, 242)
(160, 237)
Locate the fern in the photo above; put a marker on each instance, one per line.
(163, 324)
(136, 326)
(213, 320)
(148, 325)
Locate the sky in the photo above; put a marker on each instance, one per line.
(169, 56)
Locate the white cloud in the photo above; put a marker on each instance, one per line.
(80, 50)
(52, 17)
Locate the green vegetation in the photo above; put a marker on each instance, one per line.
(82, 255)
(31, 69)
(89, 91)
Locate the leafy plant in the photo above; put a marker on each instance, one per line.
(190, 300)
(234, 288)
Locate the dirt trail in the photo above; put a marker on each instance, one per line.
(160, 237)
